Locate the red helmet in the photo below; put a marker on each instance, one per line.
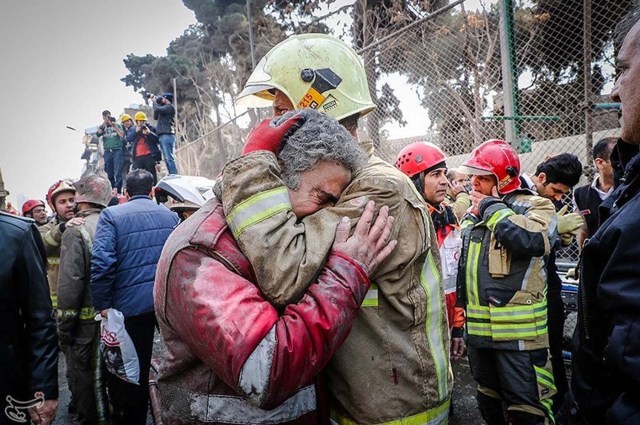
(418, 157)
(30, 205)
(56, 189)
(495, 157)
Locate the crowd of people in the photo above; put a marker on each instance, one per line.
(322, 284)
(132, 143)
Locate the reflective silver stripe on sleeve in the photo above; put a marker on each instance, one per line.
(257, 208)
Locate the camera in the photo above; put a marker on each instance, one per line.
(159, 100)
(112, 119)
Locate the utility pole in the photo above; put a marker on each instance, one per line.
(509, 84)
(251, 43)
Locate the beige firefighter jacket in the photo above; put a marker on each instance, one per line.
(52, 236)
(395, 363)
(76, 322)
(504, 283)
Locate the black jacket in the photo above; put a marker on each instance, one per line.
(164, 115)
(28, 341)
(606, 377)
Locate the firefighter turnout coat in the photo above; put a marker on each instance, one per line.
(52, 236)
(502, 277)
(77, 328)
(395, 363)
(231, 356)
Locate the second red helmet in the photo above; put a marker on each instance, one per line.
(495, 157)
(418, 157)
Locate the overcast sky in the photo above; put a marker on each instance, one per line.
(61, 64)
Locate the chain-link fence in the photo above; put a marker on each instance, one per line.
(474, 70)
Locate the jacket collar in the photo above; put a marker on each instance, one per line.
(134, 198)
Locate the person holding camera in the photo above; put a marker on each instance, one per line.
(112, 143)
(144, 145)
(163, 113)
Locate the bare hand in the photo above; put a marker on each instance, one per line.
(457, 348)
(369, 243)
(477, 197)
(45, 414)
(74, 222)
(104, 313)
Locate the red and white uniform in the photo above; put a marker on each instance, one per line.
(450, 245)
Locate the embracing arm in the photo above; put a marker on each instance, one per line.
(523, 234)
(287, 255)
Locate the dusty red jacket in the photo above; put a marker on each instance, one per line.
(231, 357)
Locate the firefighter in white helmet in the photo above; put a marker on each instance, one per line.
(394, 366)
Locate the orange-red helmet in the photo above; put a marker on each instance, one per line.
(57, 188)
(30, 205)
(418, 157)
(495, 157)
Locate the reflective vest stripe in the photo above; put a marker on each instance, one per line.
(544, 378)
(497, 217)
(517, 333)
(472, 273)
(258, 208)
(478, 312)
(54, 302)
(53, 261)
(430, 281)
(437, 416)
(479, 329)
(371, 298)
(85, 313)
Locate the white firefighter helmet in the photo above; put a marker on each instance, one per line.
(180, 193)
(315, 71)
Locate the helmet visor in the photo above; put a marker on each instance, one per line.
(473, 171)
(255, 96)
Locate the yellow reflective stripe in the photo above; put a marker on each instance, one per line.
(473, 258)
(85, 313)
(430, 281)
(536, 308)
(54, 301)
(519, 333)
(479, 329)
(49, 239)
(497, 217)
(478, 311)
(53, 261)
(257, 208)
(436, 416)
(371, 298)
(544, 377)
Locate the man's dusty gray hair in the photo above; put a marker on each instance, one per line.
(320, 138)
(625, 25)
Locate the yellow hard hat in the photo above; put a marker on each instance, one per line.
(316, 71)
(140, 116)
(125, 117)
